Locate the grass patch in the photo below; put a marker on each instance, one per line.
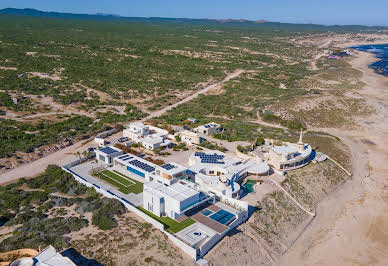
(125, 185)
(169, 223)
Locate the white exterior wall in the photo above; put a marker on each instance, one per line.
(100, 141)
(172, 205)
(153, 201)
(192, 252)
(149, 145)
(107, 156)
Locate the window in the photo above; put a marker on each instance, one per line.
(161, 200)
(211, 172)
(130, 169)
(102, 158)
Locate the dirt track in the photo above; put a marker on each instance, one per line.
(67, 155)
(193, 96)
(351, 226)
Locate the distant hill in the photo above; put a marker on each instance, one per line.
(233, 22)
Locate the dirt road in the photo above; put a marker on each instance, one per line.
(67, 155)
(351, 226)
(233, 75)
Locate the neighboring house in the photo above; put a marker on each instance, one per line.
(191, 120)
(149, 137)
(100, 141)
(289, 156)
(48, 257)
(190, 138)
(208, 129)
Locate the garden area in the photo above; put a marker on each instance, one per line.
(169, 223)
(125, 184)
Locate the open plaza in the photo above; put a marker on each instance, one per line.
(197, 200)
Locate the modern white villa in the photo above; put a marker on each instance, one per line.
(208, 129)
(148, 136)
(202, 197)
(171, 201)
(218, 173)
(190, 137)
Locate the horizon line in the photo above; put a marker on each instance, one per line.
(102, 14)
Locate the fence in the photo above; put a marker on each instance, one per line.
(192, 252)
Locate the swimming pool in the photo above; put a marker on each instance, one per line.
(222, 216)
(206, 212)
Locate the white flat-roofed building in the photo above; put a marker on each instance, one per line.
(136, 130)
(106, 154)
(169, 172)
(129, 164)
(50, 257)
(148, 136)
(171, 201)
(208, 129)
(218, 172)
(190, 138)
(153, 142)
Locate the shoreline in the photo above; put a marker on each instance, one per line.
(351, 226)
(375, 55)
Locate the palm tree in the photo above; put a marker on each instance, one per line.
(79, 155)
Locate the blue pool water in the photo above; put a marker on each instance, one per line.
(206, 212)
(222, 216)
(381, 52)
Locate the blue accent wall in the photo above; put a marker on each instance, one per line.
(130, 169)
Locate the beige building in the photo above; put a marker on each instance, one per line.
(289, 156)
(208, 129)
(190, 138)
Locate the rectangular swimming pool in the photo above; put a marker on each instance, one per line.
(222, 216)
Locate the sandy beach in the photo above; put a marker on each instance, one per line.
(351, 226)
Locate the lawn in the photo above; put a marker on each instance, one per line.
(123, 183)
(170, 224)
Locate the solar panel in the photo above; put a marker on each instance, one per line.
(142, 165)
(168, 166)
(108, 150)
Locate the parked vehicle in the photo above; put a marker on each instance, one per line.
(123, 139)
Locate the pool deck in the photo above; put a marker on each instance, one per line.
(209, 222)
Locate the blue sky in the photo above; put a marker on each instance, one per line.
(374, 12)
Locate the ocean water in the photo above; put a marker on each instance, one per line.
(381, 52)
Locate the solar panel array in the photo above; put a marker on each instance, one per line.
(142, 165)
(125, 157)
(108, 150)
(168, 166)
(210, 158)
